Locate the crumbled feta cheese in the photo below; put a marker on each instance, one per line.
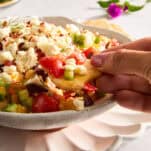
(49, 48)
(19, 40)
(70, 67)
(6, 77)
(60, 30)
(4, 32)
(35, 21)
(71, 61)
(5, 56)
(12, 72)
(26, 60)
(9, 69)
(12, 47)
(89, 39)
(70, 64)
(17, 27)
(52, 87)
(42, 39)
(46, 28)
(21, 60)
(71, 28)
(35, 80)
(79, 103)
(67, 51)
(63, 42)
(34, 29)
(81, 70)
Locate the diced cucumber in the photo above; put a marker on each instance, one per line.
(69, 74)
(97, 40)
(79, 40)
(15, 108)
(3, 104)
(24, 98)
(2, 83)
(27, 102)
(23, 94)
(11, 108)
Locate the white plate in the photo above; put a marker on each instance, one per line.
(102, 133)
(53, 120)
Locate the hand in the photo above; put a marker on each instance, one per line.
(127, 74)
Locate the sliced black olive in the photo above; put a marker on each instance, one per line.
(35, 88)
(88, 100)
(1, 68)
(22, 46)
(41, 73)
(1, 46)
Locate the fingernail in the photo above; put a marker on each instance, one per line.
(98, 60)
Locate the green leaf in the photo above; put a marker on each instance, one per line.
(115, 1)
(148, 1)
(133, 8)
(104, 4)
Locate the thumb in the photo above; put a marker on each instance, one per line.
(124, 61)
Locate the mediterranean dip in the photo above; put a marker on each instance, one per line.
(46, 68)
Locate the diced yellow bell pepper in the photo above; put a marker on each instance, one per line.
(21, 109)
(2, 92)
(67, 105)
(3, 104)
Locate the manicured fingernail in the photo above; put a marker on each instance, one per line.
(98, 60)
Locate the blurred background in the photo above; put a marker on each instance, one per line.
(137, 24)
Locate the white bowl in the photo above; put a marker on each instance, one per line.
(52, 120)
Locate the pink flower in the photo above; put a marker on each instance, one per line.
(114, 10)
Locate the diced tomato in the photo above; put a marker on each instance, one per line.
(8, 63)
(14, 87)
(89, 52)
(57, 97)
(89, 87)
(79, 57)
(45, 62)
(54, 65)
(68, 94)
(44, 103)
(11, 90)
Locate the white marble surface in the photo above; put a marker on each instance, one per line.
(137, 24)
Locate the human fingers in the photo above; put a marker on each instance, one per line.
(141, 44)
(124, 62)
(112, 83)
(134, 100)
